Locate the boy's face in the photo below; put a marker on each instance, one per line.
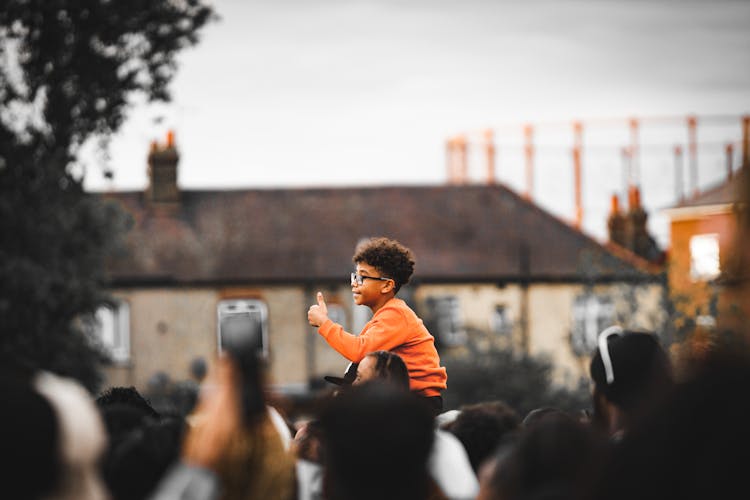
(370, 291)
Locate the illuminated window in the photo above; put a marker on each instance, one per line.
(704, 257)
(244, 320)
(112, 329)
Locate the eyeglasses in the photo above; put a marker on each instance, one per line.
(358, 279)
(609, 370)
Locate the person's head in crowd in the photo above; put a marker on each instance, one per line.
(631, 372)
(126, 396)
(555, 458)
(694, 444)
(386, 257)
(377, 442)
(123, 409)
(137, 460)
(538, 414)
(30, 437)
(198, 368)
(481, 427)
(384, 366)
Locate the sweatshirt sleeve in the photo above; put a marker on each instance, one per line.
(384, 332)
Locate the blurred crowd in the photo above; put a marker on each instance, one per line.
(648, 433)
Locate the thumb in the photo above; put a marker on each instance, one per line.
(321, 300)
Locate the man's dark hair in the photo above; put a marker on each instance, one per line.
(377, 442)
(390, 367)
(388, 256)
(136, 461)
(539, 414)
(127, 396)
(481, 427)
(642, 371)
(556, 458)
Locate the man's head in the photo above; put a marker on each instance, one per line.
(482, 427)
(385, 366)
(630, 371)
(556, 458)
(377, 442)
(388, 257)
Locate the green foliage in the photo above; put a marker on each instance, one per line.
(522, 381)
(68, 70)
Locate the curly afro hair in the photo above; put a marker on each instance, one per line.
(389, 257)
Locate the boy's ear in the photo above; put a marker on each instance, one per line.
(388, 286)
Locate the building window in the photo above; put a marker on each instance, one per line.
(446, 320)
(500, 323)
(591, 314)
(241, 321)
(112, 330)
(337, 314)
(704, 257)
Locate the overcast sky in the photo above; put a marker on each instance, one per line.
(346, 92)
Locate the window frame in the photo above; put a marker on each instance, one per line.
(593, 312)
(118, 347)
(443, 309)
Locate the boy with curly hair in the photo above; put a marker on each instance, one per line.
(383, 266)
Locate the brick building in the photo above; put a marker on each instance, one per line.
(492, 268)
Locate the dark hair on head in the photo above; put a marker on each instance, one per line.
(136, 461)
(377, 443)
(389, 257)
(556, 458)
(642, 371)
(127, 396)
(390, 367)
(120, 419)
(481, 428)
(540, 414)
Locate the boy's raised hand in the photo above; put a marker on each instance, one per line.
(318, 314)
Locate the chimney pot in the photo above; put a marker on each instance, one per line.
(615, 205)
(162, 174)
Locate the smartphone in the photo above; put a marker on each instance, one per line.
(242, 326)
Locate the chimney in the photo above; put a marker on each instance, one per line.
(640, 242)
(616, 223)
(162, 173)
(629, 229)
(636, 226)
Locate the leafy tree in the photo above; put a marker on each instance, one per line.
(69, 69)
(520, 380)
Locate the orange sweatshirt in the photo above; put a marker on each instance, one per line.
(396, 328)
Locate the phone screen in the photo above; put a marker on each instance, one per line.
(241, 327)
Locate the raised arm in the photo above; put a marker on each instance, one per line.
(385, 332)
